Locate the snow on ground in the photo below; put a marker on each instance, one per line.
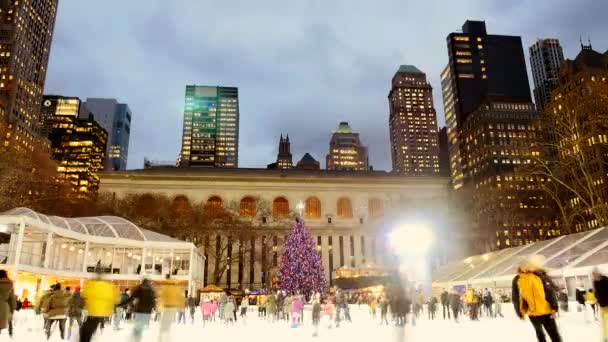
(510, 329)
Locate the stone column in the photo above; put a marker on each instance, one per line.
(357, 247)
(211, 250)
(369, 258)
(257, 263)
(234, 266)
(325, 255)
(336, 250)
(224, 260)
(246, 262)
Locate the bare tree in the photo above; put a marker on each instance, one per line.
(575, 154)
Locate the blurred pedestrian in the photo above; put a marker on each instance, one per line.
(600, 284)
(120, 309)
(56, 308)
(534, 296)
(7, 302)
(99, 296)
(172, 300)
(191, 306)
(143, 299)
(75, 306)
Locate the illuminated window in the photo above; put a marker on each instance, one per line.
(180, 205)
(464, 60)
(247, 208)
(461, 38)
(214, 204)
(466, 76)
(345, 208)
(313, 208)
(375, 207)
(463, 53)
(280, 207)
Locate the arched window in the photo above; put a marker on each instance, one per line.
(375, 207)
(214, 204)
(248, 207)
(280, 207)
(345, 208)
(313, 208)
(180, 205)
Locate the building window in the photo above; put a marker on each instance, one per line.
(345, 208)
(247, 208)
(375, 207)
(214, 204)
(180, 205)
(280, 207)
(313, 208)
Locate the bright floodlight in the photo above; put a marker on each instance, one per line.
(411, 239)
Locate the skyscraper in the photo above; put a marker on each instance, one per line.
(211, 127)
(413, 124)
(25, 42)
(480, 65)
(77, 144)
(284, 159)
(492, 135)
(346, 152)
(115, 118)
(546, 56)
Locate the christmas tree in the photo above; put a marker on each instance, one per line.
(301, 266)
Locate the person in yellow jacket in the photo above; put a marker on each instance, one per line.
(99, 297)
(171, 299)
(592, 301)
(534, 296)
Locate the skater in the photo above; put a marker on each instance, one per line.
(99, 297)
(445, 303)
(207, 310)
(229, 311)
(455, 304)
(144, 301)
(500, 298)
(172, 301)
(271, 307)
(383, 310)
(75, 306)
(373, 306)
(534, 296)
(592, 302)
(191, 307)
(316, 315)
(600, 285)
(472, 302)
(56, 308)
(221, 304)
(181, 311)
(488, 301)
(7, 302)
(432, 307)
(244, 308)
(297, 307)
(120, 308)
(580, 301)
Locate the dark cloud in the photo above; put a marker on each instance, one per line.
(301, 66)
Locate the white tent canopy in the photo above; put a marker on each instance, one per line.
(569, 259)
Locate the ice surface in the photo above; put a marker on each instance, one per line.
(510, 329)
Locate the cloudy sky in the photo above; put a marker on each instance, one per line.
(301, 66)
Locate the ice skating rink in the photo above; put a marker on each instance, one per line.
(573, 327)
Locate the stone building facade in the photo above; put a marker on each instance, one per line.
(349, 213)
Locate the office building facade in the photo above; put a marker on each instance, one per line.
(413, 124)
(211, 127)
(546, 56)
(444, 153)
(346, 151)
(115, 118)
(480, 66)
(25, 44)
(78, 145)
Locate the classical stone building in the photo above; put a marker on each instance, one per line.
(349, 213)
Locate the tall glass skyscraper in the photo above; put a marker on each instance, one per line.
(211, 127)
